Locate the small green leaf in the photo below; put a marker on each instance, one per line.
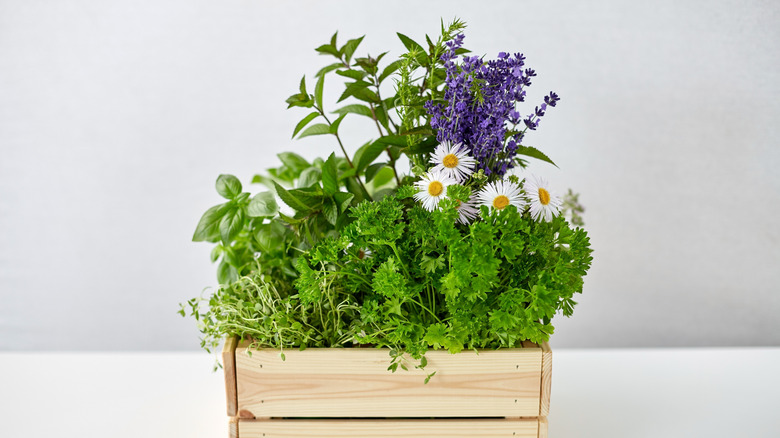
(372, 170)
(384, 176)
(263, 205)
(329, 68)
(356, 108)
(294, 161)
(318, 91)
(327, 49)
(318, 129)
(369, 154)
(208, 226)
(409, 43)
(270, 236)
(350, 47)
(352, 74)
(359, 90)
(228, 186)
(334, 127)
(302, 86)
(343, 199)
(289, 199)
(305, 121)
(330, 175)
(530, 151)
(231, 224)
(309, 177)
(215, 253)
(330, 211)
(390, 69)
(226, 273)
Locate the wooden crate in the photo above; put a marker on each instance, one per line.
(348, 392)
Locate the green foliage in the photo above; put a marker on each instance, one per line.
(335, 252)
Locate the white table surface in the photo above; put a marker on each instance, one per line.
(595, 393)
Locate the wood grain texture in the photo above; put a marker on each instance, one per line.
(542, 427)
(544, 402)
(229, 367)
(233, 427)
(354, 382)
(439, 428)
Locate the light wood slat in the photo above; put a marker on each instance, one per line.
(233, 427)
(544, 402)
(543, 427)
(355, 382)
(229, 367)
(483, 428)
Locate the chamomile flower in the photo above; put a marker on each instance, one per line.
(432, 189)
(544, 203)
(467, 211)
(453, 161)
(499, 195)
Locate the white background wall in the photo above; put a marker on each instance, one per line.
(117, 116)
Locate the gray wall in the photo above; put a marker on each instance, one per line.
(116, 117)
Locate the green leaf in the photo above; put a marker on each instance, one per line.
(231, 224)
(302, 100)
(215, 253)
(369, 154)
(289, 199)
(343, 199)
(302, 85)
(294, 161)
(359, 90)
(318, 91)
(334, 127)
(352, 74)
(350, 47)
(330, 211)
(208, 226)
(329, 68)
(228, 186)
(356, 108)
(384, 176)
(226, 273)
(318, 129)
(270, 236)
(263, 205)
(530, 151)
(330, 183)
(327, 49)
(305, 121)
(409, 43)
(390, 69)
(372, 170)
(309, 177)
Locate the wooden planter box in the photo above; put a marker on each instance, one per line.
(348, 392)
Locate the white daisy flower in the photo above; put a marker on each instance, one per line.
(453, 160)
(467, 211)
(500, 194)
(544, 203)
(433, 188)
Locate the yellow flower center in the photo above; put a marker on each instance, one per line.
(435, 188)
(500, 202)
(450, 161)
(544, 196)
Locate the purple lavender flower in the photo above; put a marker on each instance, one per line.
(479, 106)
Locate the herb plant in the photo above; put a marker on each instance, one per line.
(463, 251)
